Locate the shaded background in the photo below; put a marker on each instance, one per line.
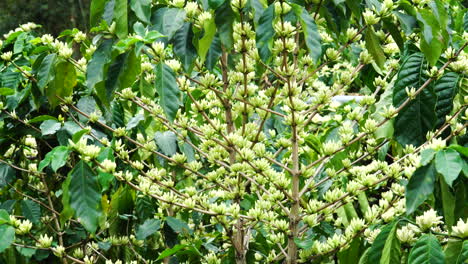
(54, 15)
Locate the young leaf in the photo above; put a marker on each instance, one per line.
(419, 187)
(203, 44)
(427, 250)
(265, 33)
(85, 196)
(167, 89)
(418, 117)
(448, 163)
(7, 233)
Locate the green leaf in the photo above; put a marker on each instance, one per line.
(121, 74)
(427, 250)
(448, 204)
(7, 174)
(95, 72)
(258, 6)
(96, 10)
(57, 157)
(63, 83)
(85, 196)
(374, 47)
(445, 89)
(454, 252)
(46, 71)
(121, 17)
(7, 233)
(67, 211)
(380, 243)
(224, 18)
(265, 33)
(183, 46)
(171, 251)
(448, 163)
(460, 149)
(420, 186)
(6, 91)
(142, 9)
(391, 252)
(426, 156)
(418, 117)
(168, 20)
(395, 32)
(167, 89)
(311, 34)
(203, 44)
(4, 217)
(432, 41)
(178, 225)
(49, 127)
(31, 211)
(215, 3)
(149, 227)
(167, 142)
(304, 243)
(214, 53)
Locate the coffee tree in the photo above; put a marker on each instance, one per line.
(216, 132)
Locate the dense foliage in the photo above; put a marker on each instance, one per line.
(216, 132)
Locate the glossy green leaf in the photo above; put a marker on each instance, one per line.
(215, 3)
(171, 251)
(149, 227)
(392, 251)
(183, 46)
(432, 41)
(46, 71)
(448, 163)
(168, 20)
(85, 196)
(311, 34)
(445, 89)
(448, 203)
(121, 18)
(31, 211)
(49, 127)
(454, 252)
(376, 251)
(167, 89)
(374, 47)
(7, 174)
(426, 156)
(121, 74)
(95, 72)
(167, 142)
(56, 158)
(418, 117)
(142, 9)
(4, 217)
(178, 225)
(224, 18)
(203, 44)
(7, 233)
(63, 83)
(419, 187)
(462, 150)
(265, 33)
(214, 53)
(96, 10)
(304, 243)
(427, 250)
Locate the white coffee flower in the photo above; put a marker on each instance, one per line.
(461, 229)
(6, 56)
(428, 219)
(406, 234)
(44, 241)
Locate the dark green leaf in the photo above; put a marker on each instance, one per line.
(49, 127)
(121, 74)
(168, 20)
(445, 89)
(454, 252)
(142, 9)
(224, 18)
(85, 196)
(448, 203)
(374, 47)
(178, 225)
(149, 227)
(265, 33)
(4, 217)
(448, 163)
(214, 53)
(203, 44)
(95, 72)
(121, 17)
(215, 3)
(96, 10)
(417, 117)
(432, 41)
(167, 142)
(420, 186)
(46, 71)
(183, 46)
(63, 83)
(31, 211)
(7, 233)
(377, 249)
(167, 89)
(311, 34)
(171, 251)
(391, 252)
(427, 250)
(304, 243)
(57, 157)
(7, 174)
